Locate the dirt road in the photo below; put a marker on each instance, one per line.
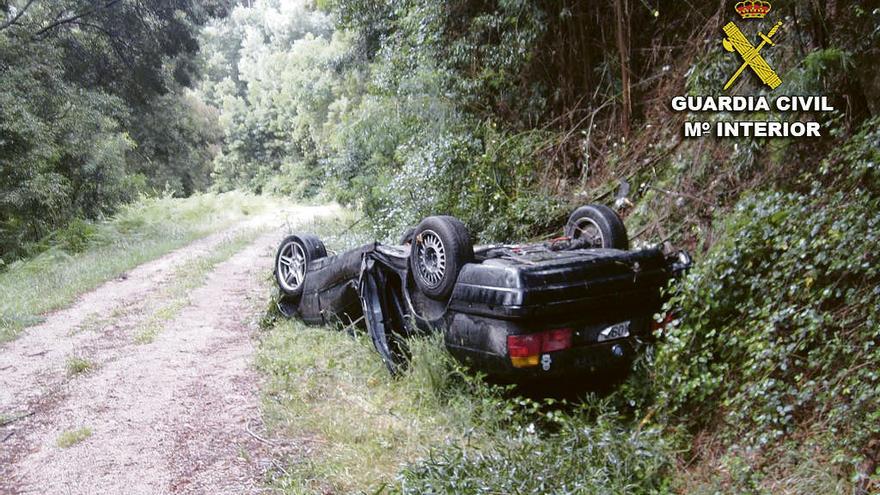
(177, 412)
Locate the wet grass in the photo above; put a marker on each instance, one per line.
(77, 261)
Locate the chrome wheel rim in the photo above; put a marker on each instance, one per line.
(432, 258)
(291, 266)
(587, 228)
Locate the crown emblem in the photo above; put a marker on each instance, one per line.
(749, 9)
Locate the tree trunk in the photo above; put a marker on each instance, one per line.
(621, 13)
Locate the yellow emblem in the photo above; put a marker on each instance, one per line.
(736, 41)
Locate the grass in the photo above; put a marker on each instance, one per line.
(332, 391)
(791, 471)
(187, 277)
(437, 428)
(70, 438)
(77, 365)
(87, 255)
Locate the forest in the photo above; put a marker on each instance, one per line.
(507, 114)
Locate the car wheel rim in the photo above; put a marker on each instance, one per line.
(586, 228)
(431, 258)
(291, 266)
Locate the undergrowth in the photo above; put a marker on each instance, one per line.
(765, 384)
(776, 353)
(438, 428)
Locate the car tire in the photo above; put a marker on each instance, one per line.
(600, 223)
(441, 246)
(292, 260)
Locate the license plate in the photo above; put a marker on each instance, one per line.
(616, 331)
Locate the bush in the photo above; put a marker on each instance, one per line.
(779, 328)
(78, 236)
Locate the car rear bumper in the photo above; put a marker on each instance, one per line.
(584, 361)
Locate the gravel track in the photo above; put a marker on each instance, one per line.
(179, 414)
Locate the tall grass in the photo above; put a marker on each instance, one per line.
(87, 254)
(438, 428)
(332, 393)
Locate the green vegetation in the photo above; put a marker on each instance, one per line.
(442, 429)
(586, 453)
(70, 438)
(94, 110)
(86, 254)
(505, 114)
(771, 357)
(331, 391)
(438, 428)
(308, 103)
(779, 341)
(77, 365)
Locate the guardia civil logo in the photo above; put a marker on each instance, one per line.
(757, 115)
(737, 42)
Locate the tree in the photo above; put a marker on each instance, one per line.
(91, 95)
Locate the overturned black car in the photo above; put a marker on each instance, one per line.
(570, 307)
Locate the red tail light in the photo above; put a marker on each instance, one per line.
(556, 340)
(525, 349)
(524, 345)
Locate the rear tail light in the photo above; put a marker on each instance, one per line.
(556, 340)
(524, 345)
(524, 350)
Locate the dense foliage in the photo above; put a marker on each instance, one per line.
(586, 454)
(92, 110)
(780, 341)
(410, 108)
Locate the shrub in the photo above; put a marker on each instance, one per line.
(779, 329)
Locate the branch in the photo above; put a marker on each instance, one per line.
(18, 15)
(111, 38)
(74, 18)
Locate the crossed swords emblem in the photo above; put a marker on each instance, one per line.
(736, 41)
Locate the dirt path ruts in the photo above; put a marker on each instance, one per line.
(177, 415)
